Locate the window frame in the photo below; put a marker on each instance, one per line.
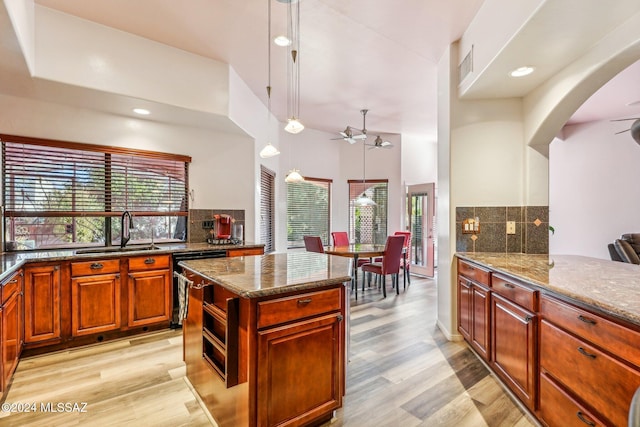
(102, 159)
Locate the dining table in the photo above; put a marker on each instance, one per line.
(356, 251)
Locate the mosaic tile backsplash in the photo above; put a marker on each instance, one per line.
(531, 229)
(196, 234)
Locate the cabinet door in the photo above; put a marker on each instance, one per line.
(480, 320)
(299, 371)
(513, 347)
(465, 305)
(149, 297)
(10, 337)
(95, 304)
(42, 303)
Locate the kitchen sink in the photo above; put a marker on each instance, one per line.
(111, 249)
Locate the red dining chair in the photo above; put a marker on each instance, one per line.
(390, 263)
(340, 238)
(406, 258)
(313, 244)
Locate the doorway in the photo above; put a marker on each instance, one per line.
(422, 224)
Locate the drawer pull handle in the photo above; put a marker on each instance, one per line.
(304, 301)
(528, 319)
(587, 320)
(150, 261)
(584, 352)
(96, 266)
(584, 420)
(509, 285)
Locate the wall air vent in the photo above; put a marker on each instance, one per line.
(466, 66)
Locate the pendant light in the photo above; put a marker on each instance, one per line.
(269, 150)
(293, 69)
(294, 176)
(363, 200)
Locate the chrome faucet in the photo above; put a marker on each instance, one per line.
(125, 232)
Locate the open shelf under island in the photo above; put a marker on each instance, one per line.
(264, 337)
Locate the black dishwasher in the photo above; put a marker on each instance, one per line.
(185, 256)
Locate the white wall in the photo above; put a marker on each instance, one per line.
(594, 195)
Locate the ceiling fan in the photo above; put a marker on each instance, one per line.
(379, 143)
(348, 133)
(635, 128)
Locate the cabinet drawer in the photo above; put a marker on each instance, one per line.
(149, 262)
(521, 295)
(610, 336)
(245, 251)
(473, 272)
(557, 408)
(10, 287)
(594, 377)
(284, 310)
(90, 268)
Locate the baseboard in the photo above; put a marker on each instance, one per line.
(448, 335)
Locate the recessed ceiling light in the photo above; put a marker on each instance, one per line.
(521, 72)
(282, 41)
(141, 111)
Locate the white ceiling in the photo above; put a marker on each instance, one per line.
(354, 54)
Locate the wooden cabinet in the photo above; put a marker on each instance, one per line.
(149, 290)
(42, 303)
(591, 360)
(95, 296)
(11, 327)
(245, 251)
(306, 351)
(474, 307)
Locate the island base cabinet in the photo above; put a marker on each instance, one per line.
(513, 347)
(299, 371)
(558, 409)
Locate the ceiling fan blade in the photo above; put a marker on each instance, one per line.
(363, 136)
(350, 140)
(624, 120)
(622, 131)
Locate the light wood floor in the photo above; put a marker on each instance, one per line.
(402, 371)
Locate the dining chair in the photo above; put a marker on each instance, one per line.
(390, 263)
(340, 238)
(313, 244)
(406, 258)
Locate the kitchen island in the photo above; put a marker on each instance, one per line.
(562, 332)
(264, 338)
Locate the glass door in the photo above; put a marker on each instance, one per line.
(422, 223)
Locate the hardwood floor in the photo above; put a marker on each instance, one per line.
(402, 371)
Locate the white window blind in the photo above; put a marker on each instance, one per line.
(308, 211)
(267, 208)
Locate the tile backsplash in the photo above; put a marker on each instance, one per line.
(531, 229)
(196, 234)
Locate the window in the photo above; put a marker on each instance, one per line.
(63, 194)
(267, 208)
(308, 211)
(368, 224)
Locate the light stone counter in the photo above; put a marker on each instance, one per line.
(612, 287)
(264, 275)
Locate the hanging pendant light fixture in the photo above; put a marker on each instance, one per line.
(269, 150)
(294, 176)
(293, 68)
(363, 200)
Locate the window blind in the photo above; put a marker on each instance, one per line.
(267, 208)
(45, 179)
(308, 211)
(368, 223)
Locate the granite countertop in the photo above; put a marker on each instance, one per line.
(612, 287)
(272, 274)
(12, 261)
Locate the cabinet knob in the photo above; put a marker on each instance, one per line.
(586, 320)
(340, 317)
(582, 418)
(509, 285)
(585, 353)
